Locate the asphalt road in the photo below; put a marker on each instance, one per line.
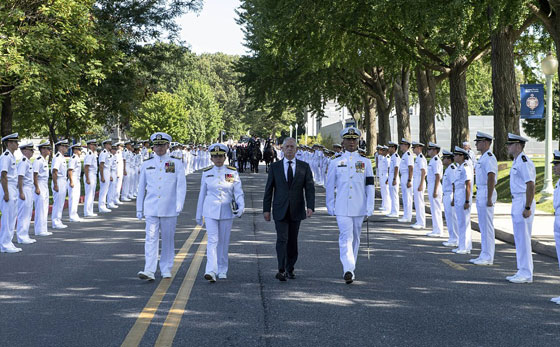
(79, 288)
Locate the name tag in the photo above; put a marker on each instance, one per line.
(342, 164)
(150, 168)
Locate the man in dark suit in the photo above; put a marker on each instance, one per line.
(288, 180)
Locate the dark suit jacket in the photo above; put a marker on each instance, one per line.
(278, 194)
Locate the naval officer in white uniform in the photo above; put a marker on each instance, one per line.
(419, 186)
(486, 169)
(556, 203)
(25, 201)
(350, 197)
(59, 184)
(161, 196)
(435, 192)
(41, 183)
(462, 195)
(220, 200)
(522, 186)
(105, 161)
(90, 177)
(394, 179)
(74, 184)
(406, 169)
(447, 185)
(8, 204)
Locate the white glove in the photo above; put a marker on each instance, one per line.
(139, 215)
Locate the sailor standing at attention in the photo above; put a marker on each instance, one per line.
(522, 186)
(435, 173)
(462, 194)
(105, 160)
(8, 204)
(486, 169)
(161, 196)
(419, 174)
(383, 172)
(394, 180)
(59, 184)
(447, 185)
(25, 201)
(128, 174)
(220, 199)
(406, 170)
(90, 177)
(350, 197)
(74, 184)
(556, 204)
(41, 183)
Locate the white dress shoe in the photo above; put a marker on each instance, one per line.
(474, 260)
(463, 251)
(166, 275)
(27, 241)
(60, 226)
(403, 220)
(393, 215)
(119, 202)
(126, 200)
(104, 210)
(449, 244)
(455, 250)
(93, 215)
(113, 206)
(13, 249)
(556, 299)
(520, 279)
(483, 262)
(46, 233)
(222, 276)
(76, 220)
(417, 227)
(146, 275)
(210, 277)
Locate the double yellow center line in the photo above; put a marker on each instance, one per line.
(169, 330)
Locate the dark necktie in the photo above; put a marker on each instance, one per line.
(290, 173)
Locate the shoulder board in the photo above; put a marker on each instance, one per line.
(337, 155)
(489, 154)
(39, 158)
(149, 158)
(398, 156)
(208, 168)
(232, 168)
(435, 158)
(58, 154)
(524, 158)
(453, 166)
(24, 159)
(420, 155)
(74, 156)
(174, 157)
(7, 152)
(465, 164)
(363, 155)
(104, 151)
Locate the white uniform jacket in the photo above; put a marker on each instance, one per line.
(349, 188)
(218, 187)
(59, 163)
(41, 167)
(162, 187)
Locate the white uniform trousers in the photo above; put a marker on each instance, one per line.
(8, 220)
(486, 224)
(112, 193)
(450, 218)
(24, 211)
(218, 231)
(522, 229)
(349, 240)
(463, 221)
(419, 205)
(59, 198)
(41, 208)
(89, 194)
(104, 191)
(74, 199)
(436, 207)
(385, 198)
(126, 184)
(394, 196)
(407, 200)
(118, 189)
(557, 235)
(155, 226)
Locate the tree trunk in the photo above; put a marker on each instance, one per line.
(401, 92)
(427, 99)
(7, 119)
(384, 125)
(504, 90)
(370, 116)
(458, 101)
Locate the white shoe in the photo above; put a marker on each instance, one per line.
(556, 299)
(455, 250)
(46, 233)
(433, 235)
(119, 202)
(60, 226)
(210, 277)
(93, 215)
(76, 220)
(404, 220)
(166, 275)
(463, 251)
(474, 260)
(520, 279)
(126, 200)
(222, 276)
(112, 206)
(392, 215)
(449, 244)
(417, 227)
(13, 249)
(146, 275)
(511, 277)
(27, 241)
(483, 262)
(104, 210)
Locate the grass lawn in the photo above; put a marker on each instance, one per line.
(504, 194)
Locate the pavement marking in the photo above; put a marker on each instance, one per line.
(454, 265)
(171, 324)
(145, 317)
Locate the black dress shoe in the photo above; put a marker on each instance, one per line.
(348, 277)
(291, 275)
(281, 276)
